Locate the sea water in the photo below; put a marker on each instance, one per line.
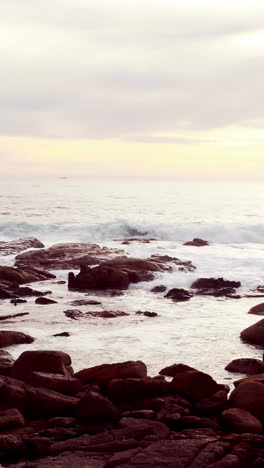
(203, 332)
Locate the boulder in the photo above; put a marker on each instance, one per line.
(44, 301)
(240, 420)
(66, 256)
(174, 369)
(158, 289)
(24, 275)
(16, 246)
(196, 242)
(103, 373)
(179, 295)
(252, 378)
(213, 405)
(9, 338)
(6, 362)
(98, 278)
(246, 366)
(249, 396)
(57, 382)
(54, 362)
(11, 418)
(125, 390)
(194, 384)
(62, 334)
(254, 334)
(257, 309)
(215, 283)
(95, 407)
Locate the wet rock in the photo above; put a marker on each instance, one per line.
(223, 292)
(194, 384)
(192, 422)
(174, 369)
(254, 334)
(10, 290)
(18, 301)
(6, 362)
(7, 317)
(130, 389)
(98, 278)
(213, 405)
(183, 265)
(62, 334)
(57, 382)
(139, 414)
(249, 396)
(246, 366)
(179, 295)
(11, 418)
(16, 246)
(215, 283)
(62, 422)
(95, 407)
(106, 314)
(103, 373)
(196, 242)
(74, 314)
(55, 362)
(257, 309)
(240, 420)
(158, 289)
(84, 302)
(147, 314)
(66, 256)
(23, 275)
(45, 301)
(252, 378)
(9, 338)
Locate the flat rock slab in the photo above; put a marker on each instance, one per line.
(15, 246)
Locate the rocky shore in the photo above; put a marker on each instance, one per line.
(117, 414)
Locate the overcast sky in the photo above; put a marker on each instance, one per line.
(95, 81)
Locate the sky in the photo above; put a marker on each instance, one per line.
(132, 87)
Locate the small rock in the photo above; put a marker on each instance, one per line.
(9, 338)
(179, 295)
(147, 314)
(45, 301)
(74, 314)
(174, 369)
(196, 242)
(62, 334)
(158, 289)
(11, 418)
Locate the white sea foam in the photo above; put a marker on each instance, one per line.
(224, 233)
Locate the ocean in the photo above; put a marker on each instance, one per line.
(203, 332)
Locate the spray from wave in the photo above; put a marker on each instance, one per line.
(120, 229)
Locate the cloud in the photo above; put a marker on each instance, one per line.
(98, 69)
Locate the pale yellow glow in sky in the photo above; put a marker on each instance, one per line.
(230, 152)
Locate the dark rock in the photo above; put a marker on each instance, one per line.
(147, 314)
(257, 309)
(106, 314)
(246, 366)
(84, 302)
(11, 418)
(252, 378)
(74, 314)
(9, 338)
(158, 289)
(191, 422)
(95, 407)
(57, 382)
(213, 405)
(215, 283)
(66, 256)
(139, 414)
(240, 420)
(179, 295)
(249, 396)
(98, 278)
(23, 275)
(174, 369)
(103, 373)
(7, 317)
(254, 334)
(62, 422)
(194, 384)
(45, 301)
(62, 334)
(55, 362)
(16, 246)
(6, 362)
(18, 301)
(196, 242)
(183, 265)
(130, 389)
(223, 292)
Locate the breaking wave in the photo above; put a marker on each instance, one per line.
(97, 232)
